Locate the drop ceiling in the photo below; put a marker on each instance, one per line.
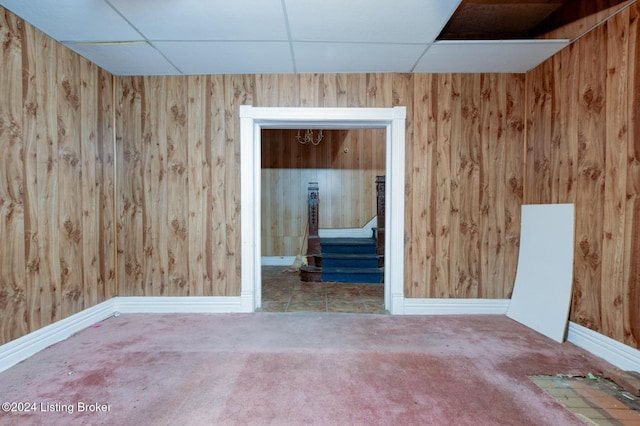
(181, 37)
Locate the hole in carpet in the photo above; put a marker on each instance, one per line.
(595, 400)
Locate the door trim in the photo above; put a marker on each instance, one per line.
(254, 119)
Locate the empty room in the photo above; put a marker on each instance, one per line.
(320, 212)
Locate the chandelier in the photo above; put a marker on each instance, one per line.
(309, 138)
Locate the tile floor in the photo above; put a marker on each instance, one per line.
(283, 291)
(595, 401)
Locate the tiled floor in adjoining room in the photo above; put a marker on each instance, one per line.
(282, 291)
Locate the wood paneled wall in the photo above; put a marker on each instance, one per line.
(345, 165)
(574, 19)
(583, 147)
(56, 181)
(472, 159)
(465, 136)
(463, 184)
(178, 180)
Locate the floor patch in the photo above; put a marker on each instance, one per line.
(595, 400)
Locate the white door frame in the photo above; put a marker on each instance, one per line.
(254, 119)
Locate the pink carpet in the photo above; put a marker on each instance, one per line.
(290, 369)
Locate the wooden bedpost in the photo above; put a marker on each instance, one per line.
(313, 242)
(380, 181)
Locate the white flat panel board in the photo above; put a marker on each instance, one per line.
(199, 20)
(542, 291)
(510, 56)
(355, 57)
(78, 20)
(228, 57)
(126, 59)
(399, 21)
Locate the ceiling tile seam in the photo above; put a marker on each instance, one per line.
(166, 58)
(424, 52)
(108, 2)
(387, 43)
(157, 40)
(98, 43)
(124, 18)
(289, 39)
(444, 24)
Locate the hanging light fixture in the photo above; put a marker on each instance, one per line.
(309, 138)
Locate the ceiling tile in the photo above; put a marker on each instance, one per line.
(171, 20)
(355, 57)
(399, 21)
(239, 57)
(125, 59)
(495, 56)
(73, 20)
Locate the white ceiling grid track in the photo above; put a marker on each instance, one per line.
(168, 37)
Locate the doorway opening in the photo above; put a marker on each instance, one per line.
(333, 261)
(254, 119)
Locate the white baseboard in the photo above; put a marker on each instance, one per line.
(277, 260)
(182, 305)
(18, 350)
(612, 351)
(455, 306)
(23, 347)
(622, 356)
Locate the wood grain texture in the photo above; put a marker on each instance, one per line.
(106, 161)
(288, 167)
(443, 206)
(478, 146)
(455, 154)
(130, 161)
(615, 176)
(574, 19)
(69, 180)
(631, 280)
(513, 181)
(55, 139)
(12, 215)
(590, 118)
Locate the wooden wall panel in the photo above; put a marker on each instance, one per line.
(12, 215)
(289, 166)
(472, 159)
(199, 172)
(218, 230)
(131, 165)
(56, 151)
(177, 201)
(69, 180)
(631, 280)
(584, 133)
(420, 220)
(573, 20)
(153, 216)
(590, 182)
(492, 193)
(469, 154)
(106, 165)
(513, 181)
(464, 134)
(615, 175)
(442, 207)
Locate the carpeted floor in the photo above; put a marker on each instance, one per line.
(294, 368)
